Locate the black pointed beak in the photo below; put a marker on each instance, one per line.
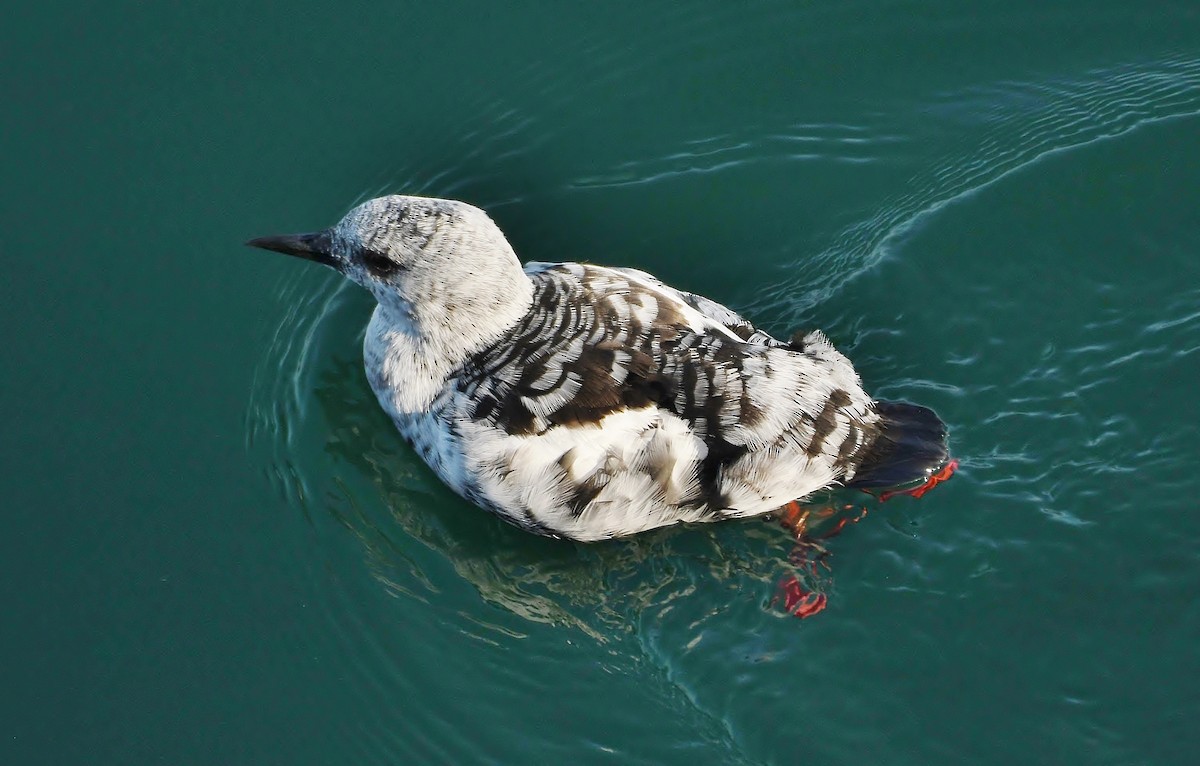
(312, 247)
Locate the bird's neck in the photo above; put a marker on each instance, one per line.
(412, 347)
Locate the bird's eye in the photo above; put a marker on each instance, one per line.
(379, 264)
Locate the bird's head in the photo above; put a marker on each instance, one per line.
(382, 240)
(430, 261)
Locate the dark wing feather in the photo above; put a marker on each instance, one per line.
(721, 314)
(597, 343)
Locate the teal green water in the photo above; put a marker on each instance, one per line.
(217, 550)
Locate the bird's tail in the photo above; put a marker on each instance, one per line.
(910, 450)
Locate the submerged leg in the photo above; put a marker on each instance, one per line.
(808, 556)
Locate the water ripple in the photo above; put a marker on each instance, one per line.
(712, 154)
(1023, 123)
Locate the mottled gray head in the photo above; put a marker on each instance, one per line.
(381, 240)
(429, 259)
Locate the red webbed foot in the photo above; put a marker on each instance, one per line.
(797, 600)
(945, 473)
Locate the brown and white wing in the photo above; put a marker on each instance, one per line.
(710, 309)
(625, 397)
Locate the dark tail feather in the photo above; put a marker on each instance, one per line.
(911, 446)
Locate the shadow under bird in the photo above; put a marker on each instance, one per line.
(591, 402)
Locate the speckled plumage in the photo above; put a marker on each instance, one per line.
(584, 401)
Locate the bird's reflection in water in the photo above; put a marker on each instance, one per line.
(401, 513)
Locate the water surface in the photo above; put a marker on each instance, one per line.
(219, 551)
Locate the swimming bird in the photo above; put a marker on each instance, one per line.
(590, 402)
